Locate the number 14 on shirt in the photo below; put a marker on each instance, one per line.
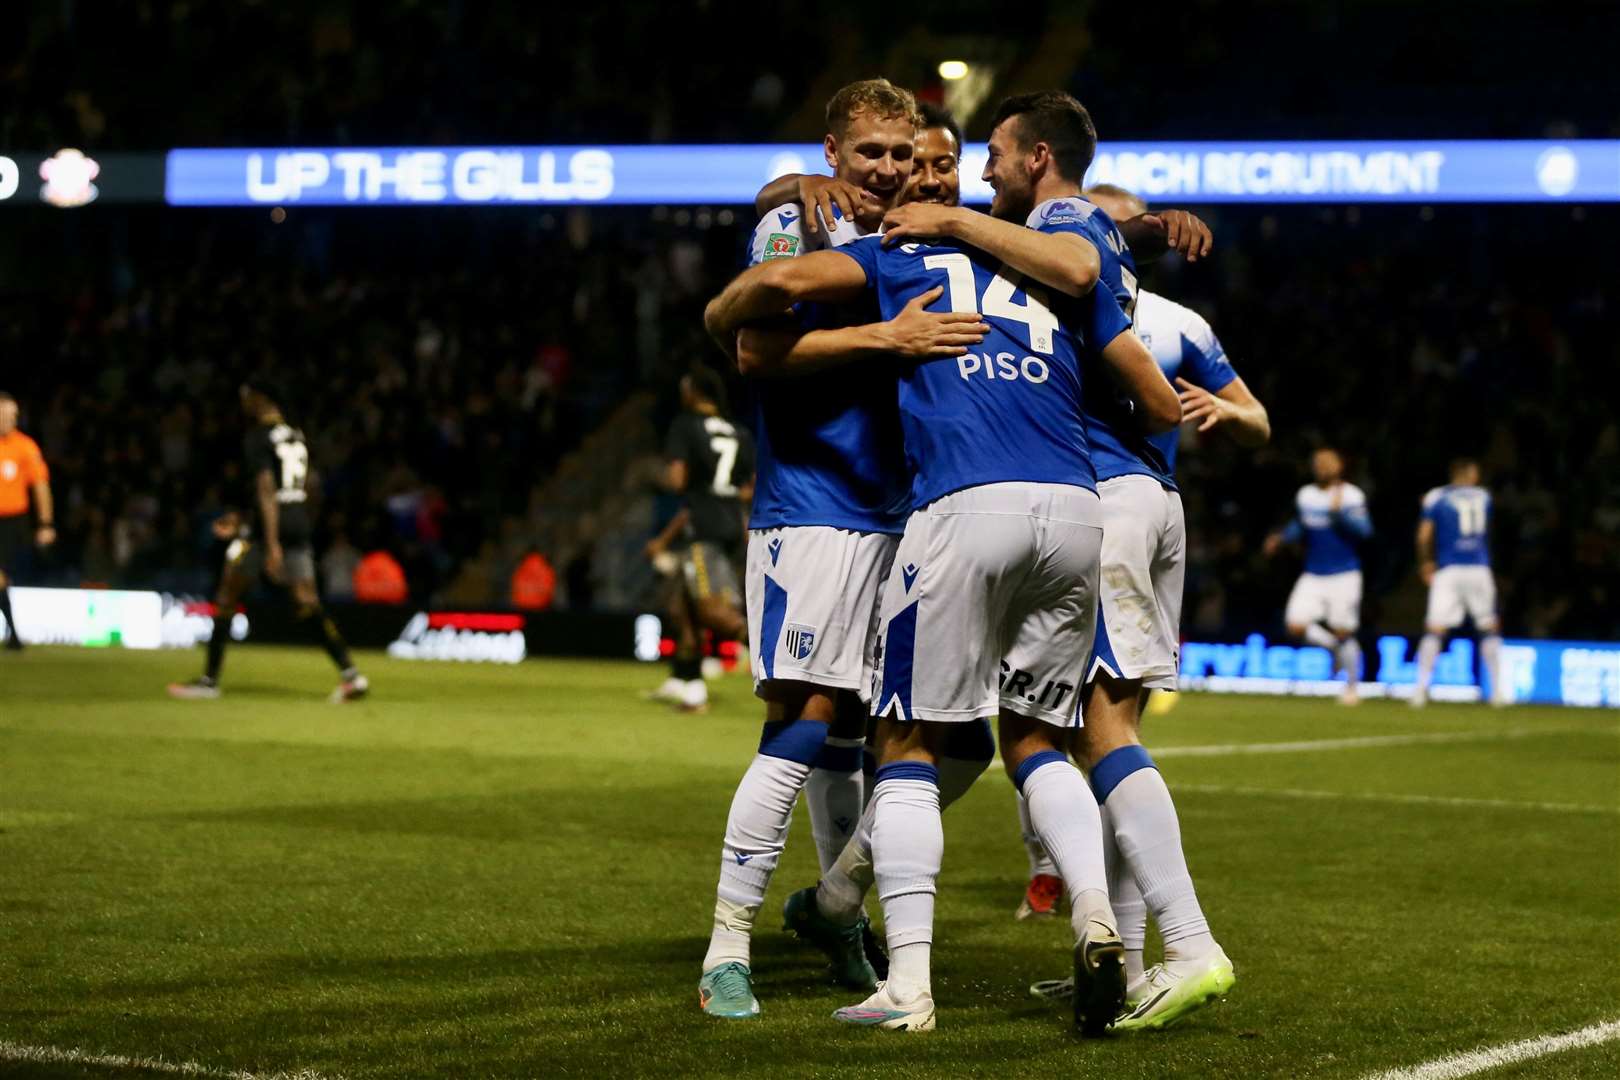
(962, 286)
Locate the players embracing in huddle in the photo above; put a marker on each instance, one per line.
(1006, 341)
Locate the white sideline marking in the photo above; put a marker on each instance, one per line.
(1395, 797)
(1356, 743)
(1493, 1057)
(52, 1055)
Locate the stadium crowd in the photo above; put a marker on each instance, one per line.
(438, 403)
(341, 71)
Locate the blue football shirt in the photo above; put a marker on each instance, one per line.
(1461, 515)
(1185, 347)
(1010, 410)
(829, 449)
(1331, 536)
(1118, 445)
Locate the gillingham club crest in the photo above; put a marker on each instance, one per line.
(800, 640)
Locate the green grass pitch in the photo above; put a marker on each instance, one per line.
(508, 872)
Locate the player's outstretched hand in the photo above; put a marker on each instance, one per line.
(920, 334)
(1196, 402)
(1273, 544)
(45, 536)
(821, 194)
(926, 220)
(1186, 233)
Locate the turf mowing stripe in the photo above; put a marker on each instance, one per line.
(1395, 797)
(26, 819)
(1360, 742)
(52, 1055)
(1494, 1057)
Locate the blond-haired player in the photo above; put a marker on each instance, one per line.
(830, 503)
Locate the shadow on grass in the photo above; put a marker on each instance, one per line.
(782, 960)
(308, 691)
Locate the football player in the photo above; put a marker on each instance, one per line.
(1324, 608)
(280, 550)
(710, 461)
(1454, 551)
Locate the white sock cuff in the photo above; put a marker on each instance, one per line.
(1045, 773)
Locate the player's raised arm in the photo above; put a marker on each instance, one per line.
(1151, 236)
(817, 195)
(1063, 261)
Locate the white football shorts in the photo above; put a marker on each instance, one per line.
(1459, 591)
(1333, 599)
(992, 605)
(1144, 567)
(812, 605)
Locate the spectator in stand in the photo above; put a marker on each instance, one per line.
(534, 583)
(379, 579)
